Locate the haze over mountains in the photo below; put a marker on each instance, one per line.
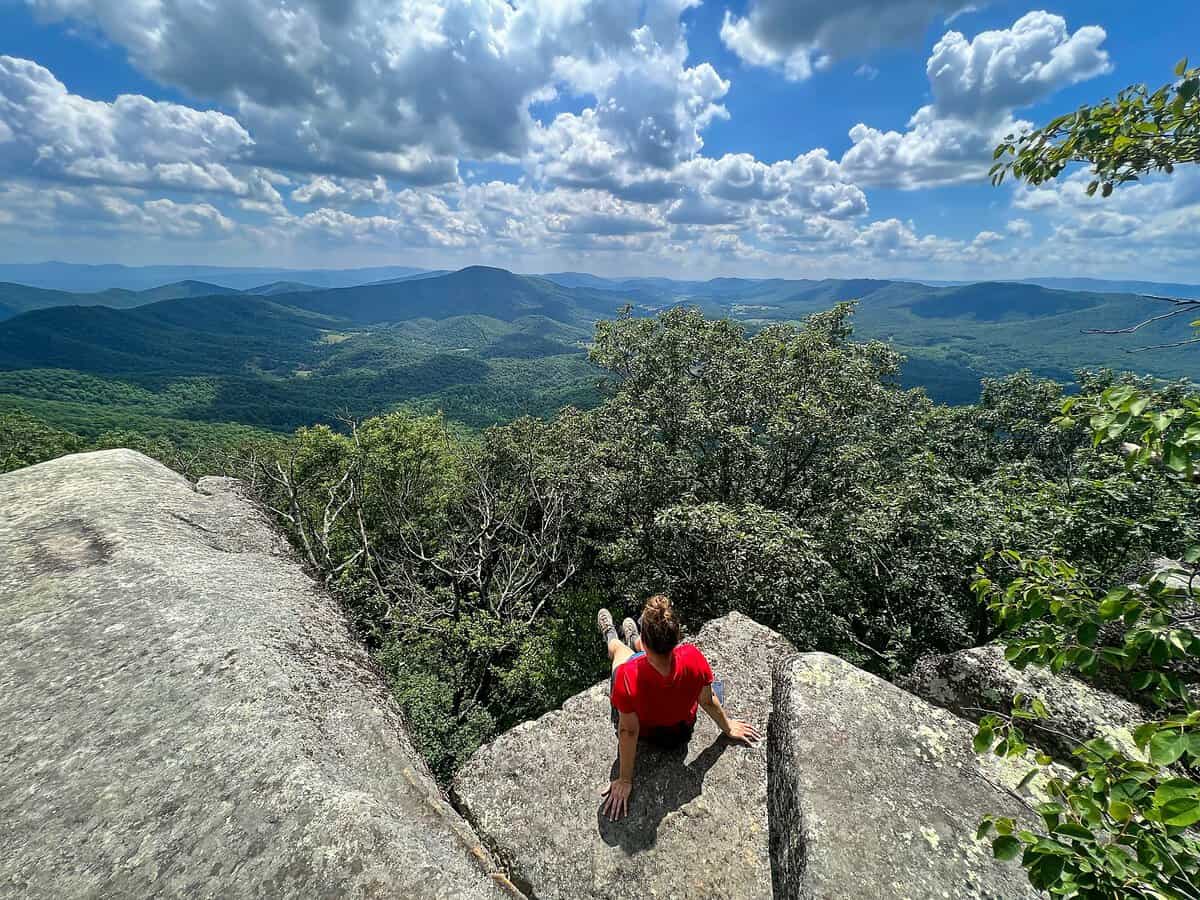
(484, 344)
(89, 278)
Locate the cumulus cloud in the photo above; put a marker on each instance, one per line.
(51, 134)
(1020, 228)
(325, 190)
(798, 37)
(999, 71)
(1150, 223)
(649, 116)
(345, 125)
(133, 140)
(976, 86)
(404, 88)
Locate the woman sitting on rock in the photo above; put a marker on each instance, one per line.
(657, 684)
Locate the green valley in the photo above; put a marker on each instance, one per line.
(485, 345)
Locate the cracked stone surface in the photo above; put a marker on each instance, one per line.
(876, 793)
(184, 713)
(697, 826)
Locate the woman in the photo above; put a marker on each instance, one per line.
(658, 684)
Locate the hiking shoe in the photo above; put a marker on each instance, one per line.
(604, 624)
(629, 629)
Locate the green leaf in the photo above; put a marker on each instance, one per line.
(1006, 847)
(1075, 830)
(1175, 458)
(1120, 811)
(983, 740)
(1182, 812)
(1088, 632)
(1174, 789)
(1181, 67)
(1113, 603)
(1029, 776)
(1145, 731)
(1167, 746)
(1045, 871)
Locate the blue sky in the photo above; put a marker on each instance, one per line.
(776, 137)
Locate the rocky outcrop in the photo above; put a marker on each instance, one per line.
(971, 682)
(697, 826)
(184, 713)
(875, 793)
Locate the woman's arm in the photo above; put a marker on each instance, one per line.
(738, 731)
(617, 803)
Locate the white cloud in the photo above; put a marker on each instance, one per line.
(371, 108)
(50, 132)
(324, 189)
(799, 37)
(976, 87)
(893, 238)
(1019, 228)
(999, 71)
(404, 88)
(933, 151)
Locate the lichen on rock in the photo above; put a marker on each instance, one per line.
(972, 682)
(875, 793)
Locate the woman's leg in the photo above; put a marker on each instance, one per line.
(618, 650)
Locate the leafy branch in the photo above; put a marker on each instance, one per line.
(1121, 140)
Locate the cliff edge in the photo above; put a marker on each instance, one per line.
(183, 712)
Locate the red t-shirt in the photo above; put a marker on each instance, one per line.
(658, 701)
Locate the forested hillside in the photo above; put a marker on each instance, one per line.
(484, 345)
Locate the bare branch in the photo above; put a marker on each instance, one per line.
(1183, 305)
(1195, 340)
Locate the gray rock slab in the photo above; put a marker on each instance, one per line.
(970, 681)
(184, 713)
(697, 826)
(875, 793)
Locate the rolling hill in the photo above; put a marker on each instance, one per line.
(19, 298)
(477, 290)
(485, 345)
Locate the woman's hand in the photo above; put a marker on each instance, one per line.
(743, 733)
(616, 803)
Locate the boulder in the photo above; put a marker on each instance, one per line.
(183, 712)
(970, 682)
(875, 793)
(697, 825)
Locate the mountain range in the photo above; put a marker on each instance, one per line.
(485, 344)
